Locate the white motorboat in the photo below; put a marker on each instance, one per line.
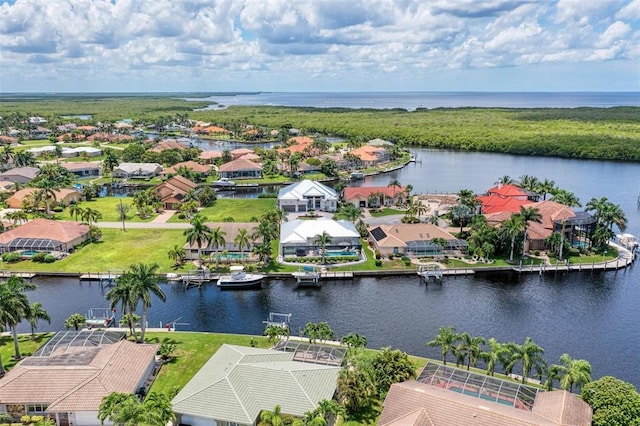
(240, 279)
(223, 183)
(628, 241)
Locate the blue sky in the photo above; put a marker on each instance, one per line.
(319, 45)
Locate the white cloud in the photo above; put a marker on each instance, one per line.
(614, 33)
(630, 12)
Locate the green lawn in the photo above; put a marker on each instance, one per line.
(240, 209)
(117, 250)
(27, 346)
(107, 206)
(387, 212)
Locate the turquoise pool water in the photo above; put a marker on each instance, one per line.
(481, 396)
(233, 256)
(28, 253)
(341, 253)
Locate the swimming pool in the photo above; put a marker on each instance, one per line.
(481, 396)
(340, 253)
(28, 253)
(233, 256)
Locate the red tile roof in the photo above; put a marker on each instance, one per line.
(497, 203)
(239, 164)
(507, 191)
(49, 229)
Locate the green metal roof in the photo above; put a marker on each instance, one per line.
(238, 382)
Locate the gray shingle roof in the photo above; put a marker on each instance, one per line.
(238, 382)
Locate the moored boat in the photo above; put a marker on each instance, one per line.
(240, 279)
(223, 183)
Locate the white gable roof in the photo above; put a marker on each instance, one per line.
(301, 230)
(238, 382)
(298, 191)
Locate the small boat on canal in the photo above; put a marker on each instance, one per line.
(239, 279)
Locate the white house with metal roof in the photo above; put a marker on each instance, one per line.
(307, 195)
(299, 236)
(136, 170)
(239, 382)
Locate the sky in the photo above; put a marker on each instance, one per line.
(319, 45)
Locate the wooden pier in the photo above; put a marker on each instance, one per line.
(336, 275)
(26, 275)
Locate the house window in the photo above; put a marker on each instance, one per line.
(37, 408)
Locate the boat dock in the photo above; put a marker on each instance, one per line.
(336, 275)
(26, 275)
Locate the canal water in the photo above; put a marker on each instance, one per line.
(588, 315)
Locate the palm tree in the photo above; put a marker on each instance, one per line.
(121, 409)
(90, 215)
(495, 354)
(122, 210)
(199, 233)
(145, 283)
(217, 240)
(110, 161)
(572, 372)
(350, 212)
(123, 294)
(75, 321)
(36, 313)
(545, 187)
(530, 355)
(14, 306)
(472, 346)
(446, 339)
(242, 241)
(273, 418)
(511, 229)
(75, 210)
(322, 240)
(528, 183)
(529, 214)
(505, 180)
(461, 213)
(275, 332)
(394, 183)
(567, 198)
(176, 254)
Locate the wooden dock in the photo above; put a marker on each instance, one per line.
(8, 274)
(336, 275)
(99, 276)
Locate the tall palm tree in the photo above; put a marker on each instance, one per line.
(572, 372)
(90, 215)
(530, 355)
(176, 254)
(122, 293)
(273, 418)
(529, 214)
(567, 198)
(511, 229)
(446, 339)
(495, 354)
(472, 346)
(217, 240)
(145, 283)
(505, 180)
(35, 314)
(322, 240)
(395, 184)
(528, 183)
(199, 233)
(14, 306)
(462, 213)
(545, 187)
(75, 210)
(242, 241)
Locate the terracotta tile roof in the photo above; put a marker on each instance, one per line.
(71, 166)
(177, 185)
(109, 137)
(118, 367)
(551, 212)
(71, 136)
(206, 155)
(401, 234)
(239, 164)
(168, 144)
(8, 139)
(63, 231)
(297, 144)
(365, 191)
(368, 152)
(250, 156)
(498, 203)
(445, 407)
(191, 165)
(507, 191)
(16, 199)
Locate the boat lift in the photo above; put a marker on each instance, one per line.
(101, 317)
(278, 320)
(171, 325)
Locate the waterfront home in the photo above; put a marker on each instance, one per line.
(240, 152)
(44, 235)
(209, 157)
(167, 144)
(62, 196)
(369, 155)
(68, 376)
(20, 175)
(136, 170)
(504, 198)
(375, 196)
(83, 169)
(202, 170)
(298, 237)
(444, 395)
(413, 240)
(576, 227)
(238, 382)
(231, 231)
(296, 144)
(110, 137)
(240, 169)
(172, 191)
(307, 195)
(207, 129)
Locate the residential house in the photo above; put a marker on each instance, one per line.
(21, 175)
(62, 196)
(445, 395)
(239, 382)
(209, 157)
(375, 196)
(413, 240)
(379, 142)
(172, 191)
(71, 137)
(251, 157)
(239, 152)
(207, 129)
(240, 169)
(44, 235)
(136, 170)
(168, 144)
(504, 198)
(83, 169)
(298, 144)
(201, 170)
(110, 137)
(39, 151)
(8, 140)
(299, 236)
(7, 186)
(39, 133)
(68, 377)
(231, 231)
(369, 155)
(307, 195)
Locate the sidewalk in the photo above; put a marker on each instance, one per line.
(164, 216)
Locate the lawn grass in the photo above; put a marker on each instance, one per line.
(193, 350)
(117, 250)
(27, 346)
(240, 209)
(386, 212)
(107, 207)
